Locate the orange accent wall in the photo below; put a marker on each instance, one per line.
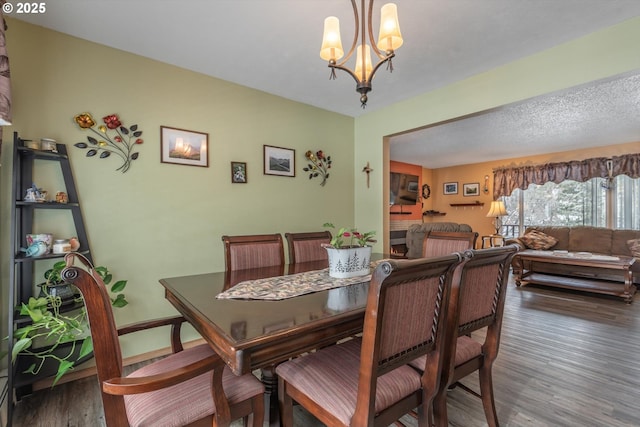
(415, 211)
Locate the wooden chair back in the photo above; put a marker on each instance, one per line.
(184, 368)
(306, 247)
(477, 301)
(104, 333)
(439, 243)
(253, 251)
(405, 318)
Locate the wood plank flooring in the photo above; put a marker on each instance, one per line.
(566, 359)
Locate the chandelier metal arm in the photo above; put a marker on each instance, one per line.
(383, 60)
(355, 36)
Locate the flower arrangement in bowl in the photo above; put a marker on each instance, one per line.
(349, 252)
(352, 236)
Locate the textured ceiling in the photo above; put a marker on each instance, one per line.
(601, 113)
(273, 45)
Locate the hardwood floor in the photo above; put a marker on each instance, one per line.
(566, 359)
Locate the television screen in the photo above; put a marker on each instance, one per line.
(403, 188)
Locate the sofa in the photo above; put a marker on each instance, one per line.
(583, 241)
(417, 232)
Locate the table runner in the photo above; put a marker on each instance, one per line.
(292, 285)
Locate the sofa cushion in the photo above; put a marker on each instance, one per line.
(590, 239)
(538, 240)
(560, 233)
(634, 247)
(620, 239)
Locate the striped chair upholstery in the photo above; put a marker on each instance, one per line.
(189, 387)
(306, 247)
(253, 251)
(367, 381)
(438, 243)
(477, 301)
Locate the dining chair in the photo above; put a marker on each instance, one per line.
(438, 243)
(189, 387)
(306, 247)
(477, 301)
(253, 251)
(367, 381)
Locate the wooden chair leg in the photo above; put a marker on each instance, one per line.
(440, 416)
(286, 405)
(486, 394)
(258, 411)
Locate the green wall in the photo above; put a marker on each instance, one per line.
(162, 220)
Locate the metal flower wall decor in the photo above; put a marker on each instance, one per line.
(319, 165)
(121, 142)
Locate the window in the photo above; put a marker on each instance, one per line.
(571, 203)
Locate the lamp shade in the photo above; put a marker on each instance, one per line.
(331, 42)
(497, 209)
(368, 67)
(389, 37)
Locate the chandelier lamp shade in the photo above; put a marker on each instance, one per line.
(497, 210)
(389, 39)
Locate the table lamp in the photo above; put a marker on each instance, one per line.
(496, 211)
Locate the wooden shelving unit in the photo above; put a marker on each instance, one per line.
(21, 274)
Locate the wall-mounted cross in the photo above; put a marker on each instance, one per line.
(368, 170)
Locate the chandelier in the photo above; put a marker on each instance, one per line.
(389, 39)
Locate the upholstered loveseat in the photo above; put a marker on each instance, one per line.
(417, 232)
(594, 240)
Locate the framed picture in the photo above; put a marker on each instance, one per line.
(471, 189)
(279, 161)
(450, 188)
(184, 147)
(238, 172)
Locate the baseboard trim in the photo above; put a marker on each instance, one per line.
(91, 370)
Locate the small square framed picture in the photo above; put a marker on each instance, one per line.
(238, 172)
(279, 161)
(450, 188)
(472, 189)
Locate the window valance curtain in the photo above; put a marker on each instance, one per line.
(505, 180)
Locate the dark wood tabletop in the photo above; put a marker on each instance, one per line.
(252, 334)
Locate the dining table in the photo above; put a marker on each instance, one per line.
(256, 334)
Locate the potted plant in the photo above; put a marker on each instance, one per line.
(54, 333)
(349, 252)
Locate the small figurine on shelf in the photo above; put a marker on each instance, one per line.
(62, 197)
(35, 194)
(75, 244)
(35, 249)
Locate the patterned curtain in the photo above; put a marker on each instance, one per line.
(505, 180)
(5, 87)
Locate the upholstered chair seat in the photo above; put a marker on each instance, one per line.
(334, 386)
(175, 405)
